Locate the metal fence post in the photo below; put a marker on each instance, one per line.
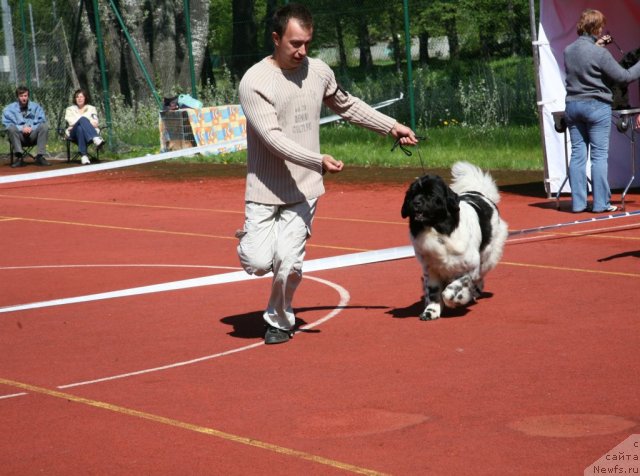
(103, 73)
(187, 21)
(25, 46)
(407, 39)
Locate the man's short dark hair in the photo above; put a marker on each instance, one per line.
(21, 90)
(292, 10)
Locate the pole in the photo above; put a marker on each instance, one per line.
(536, 73)
(407, 40)
(35, 51)
(10, 47)
(136, 53)
(187, 21)
(103, 73)
(25, 46)
(572, 223)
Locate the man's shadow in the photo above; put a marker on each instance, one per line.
(250, 325)
(626, 254)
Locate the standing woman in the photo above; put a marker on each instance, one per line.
(82, 124)
(588, 109)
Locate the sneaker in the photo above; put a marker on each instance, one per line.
(276, 336)
(84, 160)
(18, 161)
(98, 141)
(609, 209)
(40, 160)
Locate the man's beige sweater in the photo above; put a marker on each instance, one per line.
(284, 163)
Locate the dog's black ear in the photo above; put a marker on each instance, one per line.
(406, 205)
(453, 201)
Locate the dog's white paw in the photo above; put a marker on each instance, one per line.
(431, 312)
(459, 293)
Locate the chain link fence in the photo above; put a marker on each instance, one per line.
(447, 92)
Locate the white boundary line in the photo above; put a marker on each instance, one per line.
(342, 292)
(119, 163)
(232, 277)
(344, 300)
(157, 157)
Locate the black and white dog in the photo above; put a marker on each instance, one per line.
(457, 234)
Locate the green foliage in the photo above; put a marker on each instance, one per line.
(224, 91)
(513, 148)
(496, 148)
(479, 93)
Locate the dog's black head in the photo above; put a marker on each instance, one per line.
(429, 202)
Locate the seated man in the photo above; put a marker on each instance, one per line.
(26, 125)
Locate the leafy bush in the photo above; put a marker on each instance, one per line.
(474, 99)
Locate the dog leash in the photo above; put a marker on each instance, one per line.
(407, 152)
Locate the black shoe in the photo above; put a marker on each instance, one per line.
(276, 336)
(40, 160)
(18, 161)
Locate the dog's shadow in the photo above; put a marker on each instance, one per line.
(415, 309)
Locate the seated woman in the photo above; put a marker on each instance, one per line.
(82, 122)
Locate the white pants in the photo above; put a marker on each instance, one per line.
(274, 239)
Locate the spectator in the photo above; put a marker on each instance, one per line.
(588, 110)
(26, 125)
(82, 124)
(281, 96)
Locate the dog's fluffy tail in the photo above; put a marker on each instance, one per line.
(467, 177)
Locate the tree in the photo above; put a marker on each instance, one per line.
(364, 38)
(158, 34)
(244, 43)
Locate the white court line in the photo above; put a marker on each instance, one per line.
(320, 264)
(309, 266)
(344, 300)
(13, 395)
(242, 141)
(116, 164)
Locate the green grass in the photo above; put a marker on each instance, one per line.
(506, 148)
(499, 148)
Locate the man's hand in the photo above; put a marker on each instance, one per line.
(331, 165)
(404, 133)
(26, 130)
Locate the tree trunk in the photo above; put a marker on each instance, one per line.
(243, 42)
(342, 50)
(452, 35)
(158, 32)
(199, 16)
(364, 42)
(424, 47)
(267, 42)
(395, 42)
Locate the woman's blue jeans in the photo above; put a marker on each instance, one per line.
(82, 133)
(589, 125)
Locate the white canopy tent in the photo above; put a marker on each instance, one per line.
(557, 29)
